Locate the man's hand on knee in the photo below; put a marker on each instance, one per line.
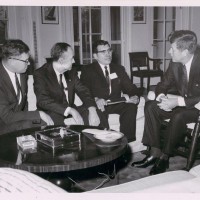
(93, 117)
(101, 103)
(46, 118)
(76, 116)
(134, 99)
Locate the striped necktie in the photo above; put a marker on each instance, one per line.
(19, 90)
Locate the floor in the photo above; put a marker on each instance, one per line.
(96, 177)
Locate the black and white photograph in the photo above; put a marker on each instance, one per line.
(99, 98)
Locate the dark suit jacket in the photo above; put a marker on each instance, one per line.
(10, 111)
(93, 77)
(173, 80)
(50, 96)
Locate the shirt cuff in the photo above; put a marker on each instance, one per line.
(66, 113)
(181, 101)
(92, 108)
(158, 97)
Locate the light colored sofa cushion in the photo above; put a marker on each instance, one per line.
(19, 181)
(148, 182)
(174, 181)
(186, 186)
(195, 171)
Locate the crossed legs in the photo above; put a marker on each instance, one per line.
(154, 117)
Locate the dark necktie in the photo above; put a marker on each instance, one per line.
(184, 79)
(18, 87)
(60, 82)
(107, 75)
(63, 88)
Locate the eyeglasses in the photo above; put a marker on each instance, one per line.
(105, 51)
(25, 61)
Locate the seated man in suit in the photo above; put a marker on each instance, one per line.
(106, 81)
(14, 114)
(183, 73)
(55, 84)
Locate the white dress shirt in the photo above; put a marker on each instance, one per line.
(12, 78)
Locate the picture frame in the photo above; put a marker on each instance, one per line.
(50, 15)
(139, 15)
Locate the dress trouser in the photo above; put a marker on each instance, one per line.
(127, 119)
(176, 128)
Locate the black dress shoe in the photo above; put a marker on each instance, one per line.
(160, 166)
(147, 161)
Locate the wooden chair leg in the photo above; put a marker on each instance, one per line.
(131, 78)
(141, 82)
(148, 84)
(141, 86)
(193, 147)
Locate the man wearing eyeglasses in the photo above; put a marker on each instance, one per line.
(106, 82)
(14, 114)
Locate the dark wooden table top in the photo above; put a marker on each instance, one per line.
(89, 153)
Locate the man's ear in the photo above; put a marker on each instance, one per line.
(95, 56)
(185, 52)
(60, 60)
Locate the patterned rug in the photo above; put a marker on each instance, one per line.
(96, 177)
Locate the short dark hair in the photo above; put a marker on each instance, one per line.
(58, 49)
(185, 39)
(14, 48)
(97, 43)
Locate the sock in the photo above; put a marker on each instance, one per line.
(164, 156)
(156, 152)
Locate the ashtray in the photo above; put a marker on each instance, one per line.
(58, 137)
(109, 137)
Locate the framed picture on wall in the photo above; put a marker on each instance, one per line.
(139, 15)
(50, 15)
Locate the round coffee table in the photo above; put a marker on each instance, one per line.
(88, 154)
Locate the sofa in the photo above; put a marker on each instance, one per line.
(18, 181)
(179, 181)
(113, 118)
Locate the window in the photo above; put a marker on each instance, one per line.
(115, 34)
(95, 23)
(87, 28)
(164, 24)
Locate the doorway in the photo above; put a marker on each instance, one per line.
(164, 19)
(93, 23)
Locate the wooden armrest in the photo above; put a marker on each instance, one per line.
(156, 63)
